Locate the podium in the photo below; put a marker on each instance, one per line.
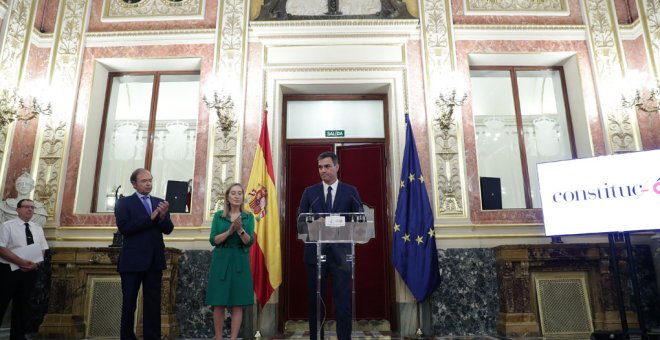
(335, 228)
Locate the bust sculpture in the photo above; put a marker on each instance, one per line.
(24, 186)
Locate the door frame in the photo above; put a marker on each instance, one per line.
(387, 175)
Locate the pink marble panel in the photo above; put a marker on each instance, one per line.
(205, 52)
(24, 136)
(626, 11)
(463, 49)
(254, 106)
(95, 24)
(459, 17)
(636, 56)
(417, 110)
(44, 19)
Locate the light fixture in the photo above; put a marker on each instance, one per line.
(646, 101)
(14, 107)
(451, 95)
(224, 109)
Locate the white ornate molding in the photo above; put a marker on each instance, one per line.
(609, 66)
(3, 9)
(448, 175)
(649, 13)
(516, 7)
(229, 65)
(63, 72)
(152, 10)
(14, 46)
(331, 32)
(13, 56)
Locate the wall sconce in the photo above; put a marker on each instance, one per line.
(224, 109)
(449, 98)
(16, 107)
(636, 98)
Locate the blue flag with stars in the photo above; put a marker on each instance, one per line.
(413, 244)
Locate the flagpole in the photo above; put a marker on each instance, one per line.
(257, 334)
(419, 333)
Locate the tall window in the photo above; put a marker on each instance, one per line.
(521, 119)
(150, 121)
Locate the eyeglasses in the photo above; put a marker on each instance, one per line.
(27, 206)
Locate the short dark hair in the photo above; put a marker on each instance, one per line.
(136, 173)
(329, 154)
(20, 203)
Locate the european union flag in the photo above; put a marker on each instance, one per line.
(413, 247)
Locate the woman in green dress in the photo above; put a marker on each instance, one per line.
(230, 278)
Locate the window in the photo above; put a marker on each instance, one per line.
(150, 121)
(521, 119)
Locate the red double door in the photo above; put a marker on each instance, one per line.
(364, 166)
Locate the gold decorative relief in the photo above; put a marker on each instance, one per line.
(63, 72)
(448, 179)
(230, 56)
(609, 64)
(147, 10)
(224, 160)
(528, 7)
(15, 41)
(50, 166)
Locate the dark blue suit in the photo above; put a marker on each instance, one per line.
(141, 262)
(346, 199)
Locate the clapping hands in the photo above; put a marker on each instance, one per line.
(236, 225)
(161, 210)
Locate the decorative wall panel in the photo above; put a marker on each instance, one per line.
(13, 56)
(609, 65)
(229, 67)
(63, 71)
(650, 18)
(517, 7)
(448, 179)
(147, 10)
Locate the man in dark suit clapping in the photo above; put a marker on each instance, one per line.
(330, 196)
(142, 220)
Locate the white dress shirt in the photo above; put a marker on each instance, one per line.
(12, 235)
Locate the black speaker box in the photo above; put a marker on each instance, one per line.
(607, 335)
(491, 193)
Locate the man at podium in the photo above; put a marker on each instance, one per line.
(330, 196)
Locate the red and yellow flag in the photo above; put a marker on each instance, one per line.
(265, 254)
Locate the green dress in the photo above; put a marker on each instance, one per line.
(230, 278)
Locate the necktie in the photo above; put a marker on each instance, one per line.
(328, 200)
(147, 204)
(28, 234)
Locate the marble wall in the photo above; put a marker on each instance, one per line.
(466, 303)
(194, 317)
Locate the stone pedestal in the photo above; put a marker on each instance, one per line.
(74, 272)
(518, 314)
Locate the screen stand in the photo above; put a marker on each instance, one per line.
(614, 265)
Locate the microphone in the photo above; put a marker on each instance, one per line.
(358, 203)
(312, 204)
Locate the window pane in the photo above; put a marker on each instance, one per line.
(125, 136)
(176, 131)
(544, 119)
(498, 154)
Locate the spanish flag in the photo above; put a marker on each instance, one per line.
(265, 254)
